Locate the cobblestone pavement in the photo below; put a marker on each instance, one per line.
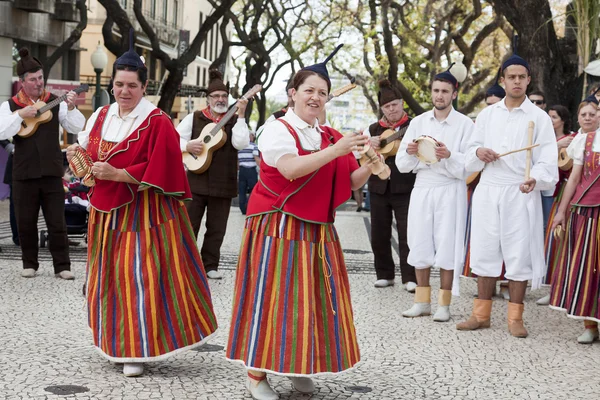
(44, 342)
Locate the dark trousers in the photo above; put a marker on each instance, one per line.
(246, 181)
(217, 213)
(13, 218)
(383, 208)
(29, 195)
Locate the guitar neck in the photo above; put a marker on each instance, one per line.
(396, 135)
(224, 120)
(52, 104)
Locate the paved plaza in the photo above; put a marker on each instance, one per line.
(46, 348)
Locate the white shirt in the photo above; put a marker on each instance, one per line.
(455, 132)
(115, 128)
(240, 134)
(502, 130)
(72, 121)
(277, 141)
(576, 149)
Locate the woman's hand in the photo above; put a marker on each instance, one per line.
(564, 143)
(349, 143)
(71, 151)
(558, 221)
(105, 171)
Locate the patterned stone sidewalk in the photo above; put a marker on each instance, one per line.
(45, 343)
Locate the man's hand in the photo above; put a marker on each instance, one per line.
(412, 148)
(486, 155)
(442, 151)
(27, 112)
(375, 142)
(528, 185)
(242, 103)
(71, 96)
(194, 147)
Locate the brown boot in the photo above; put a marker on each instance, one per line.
(515, 320)
(480, 318)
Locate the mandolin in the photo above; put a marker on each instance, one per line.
(30, 125)
(214, 137)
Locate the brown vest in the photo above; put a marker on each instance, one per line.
(398, 182)
(39, 154)
(220, 179)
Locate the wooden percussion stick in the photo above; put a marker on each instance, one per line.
(518, 150)
(529, 152)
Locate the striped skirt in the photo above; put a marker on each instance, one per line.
(467, 272)
(550, 244)
(292, 313)
(147, 291)
(576, 280)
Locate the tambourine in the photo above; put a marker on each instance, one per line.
(426, 150)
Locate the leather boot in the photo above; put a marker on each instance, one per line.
(515, 320)
(422, 304)
(442, 314)
(480, 318)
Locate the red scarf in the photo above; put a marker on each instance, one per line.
(384, 122)
(22, 100)
(210, 116)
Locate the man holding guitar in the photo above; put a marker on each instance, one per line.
(390, 197)
(214, 187)
(38, 165)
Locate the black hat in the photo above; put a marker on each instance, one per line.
(321, 68)
(447, 76)
(27, 63)
(131, 58)
(215, 82)
(387, 92)
(592, 98)
(495, 89)
(515, 59)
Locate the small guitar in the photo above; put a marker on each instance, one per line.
(214, 137)
(342, 90)
(30, 125)
(390, 141)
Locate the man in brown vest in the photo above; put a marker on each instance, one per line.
(38, 166)
(213, 189)
(390, 197)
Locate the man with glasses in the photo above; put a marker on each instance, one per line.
(213, 189)
(538, 98)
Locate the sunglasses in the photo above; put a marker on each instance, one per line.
(538, 102)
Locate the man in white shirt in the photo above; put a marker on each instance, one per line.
(38, 166)
(438, 202)
(507, 210)
(213, 189)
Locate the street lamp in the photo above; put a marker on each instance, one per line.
(459, 71)
(99, 61)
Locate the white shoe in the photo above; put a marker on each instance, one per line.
(588, 336)
(261, 390)
(381, 283)
(544, 301)
(66, 275)
(28, 273)
(303, 384)
(214, 274)
(133, 369)
(410, 287)
(442, 314)
(418, 310)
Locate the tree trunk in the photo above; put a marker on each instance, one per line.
(170, 89)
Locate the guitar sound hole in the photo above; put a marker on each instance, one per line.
(206, 139)
(382, 143)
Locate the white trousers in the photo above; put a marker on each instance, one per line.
(436, 226)
(506, 226)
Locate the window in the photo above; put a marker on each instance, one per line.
(216, 41)
(204, 77)
(123, 4)
(210, 42)
(153, 9)
(165, 10)
(175, 12)
(197, 76)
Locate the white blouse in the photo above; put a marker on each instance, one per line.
(576, 149)
(115, 128)
(276, 140)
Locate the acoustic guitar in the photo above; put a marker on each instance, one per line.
(44, 114)
(390, 141)
(214, 137)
